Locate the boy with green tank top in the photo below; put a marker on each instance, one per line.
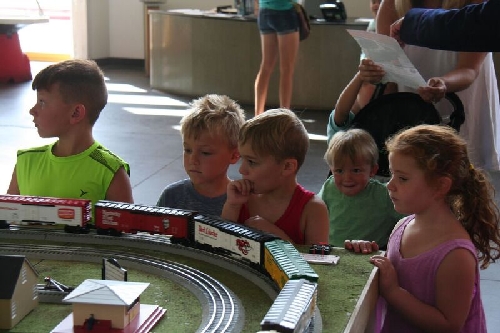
(70, 97)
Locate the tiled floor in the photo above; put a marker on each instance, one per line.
(141, 126)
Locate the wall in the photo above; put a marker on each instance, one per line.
(111, 33)
(120, 33)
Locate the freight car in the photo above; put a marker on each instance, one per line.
(283, 263)
(113, 218)
(234, 240)
(74, 214)
(293, 309)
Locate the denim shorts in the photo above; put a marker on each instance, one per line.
(278, 21)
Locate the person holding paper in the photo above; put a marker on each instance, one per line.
(472, 28)
(470, 75)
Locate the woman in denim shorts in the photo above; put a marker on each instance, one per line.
(279, 34)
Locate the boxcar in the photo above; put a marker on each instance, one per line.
(74, 214)
(293, 309)
(116, 217)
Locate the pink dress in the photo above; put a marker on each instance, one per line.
(417, 276)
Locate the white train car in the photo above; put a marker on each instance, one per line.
(74, 214)
(293, 309)
(236, 240)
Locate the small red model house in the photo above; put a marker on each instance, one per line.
(115, 302)
(18, 289)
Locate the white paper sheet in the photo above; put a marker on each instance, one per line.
(386, 52)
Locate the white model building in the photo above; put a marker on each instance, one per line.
(106, 300)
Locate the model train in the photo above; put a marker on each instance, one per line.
(293, 309)
(74, 214)
(264, 252)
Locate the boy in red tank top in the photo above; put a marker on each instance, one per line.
(273, 146)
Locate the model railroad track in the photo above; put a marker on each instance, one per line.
(144, 241)
(221, 308)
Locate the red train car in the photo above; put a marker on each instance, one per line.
(113, 218)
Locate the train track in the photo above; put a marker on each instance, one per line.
(161, 244)
(223, 311)
(144, 241)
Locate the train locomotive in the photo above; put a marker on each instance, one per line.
(261, 251)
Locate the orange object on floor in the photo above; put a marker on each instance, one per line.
(14, 64)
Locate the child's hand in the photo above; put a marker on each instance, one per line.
(388, 280)
(370, 72)
(238, 191)
(360, 246)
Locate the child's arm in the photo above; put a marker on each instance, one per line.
(359, 91)
(120, 189)
(262, 224)
(238, 193)
(13, 186)
(454, 290)
(316, 222)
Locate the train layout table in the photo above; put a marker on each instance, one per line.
(347, 293)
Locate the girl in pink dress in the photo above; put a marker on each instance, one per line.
(429, 278)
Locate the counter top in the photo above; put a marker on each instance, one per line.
(253, 18)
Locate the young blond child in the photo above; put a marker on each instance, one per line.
(70, 97)
(273, 146)
(430, 275)
(359, 206)
(210, 140)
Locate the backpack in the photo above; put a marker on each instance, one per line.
(385, 115)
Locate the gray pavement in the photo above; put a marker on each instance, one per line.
(141, 125)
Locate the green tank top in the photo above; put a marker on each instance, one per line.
(84, 176)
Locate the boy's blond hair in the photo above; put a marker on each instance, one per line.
(355, 144)
(278, 133)
(216, 114)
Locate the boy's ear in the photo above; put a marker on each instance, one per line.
(78, 114)
(290, 166)
(374, 170)
(235, 156)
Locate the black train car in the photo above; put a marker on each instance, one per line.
(293, 309)
(231, 239)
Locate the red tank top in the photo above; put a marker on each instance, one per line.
(289, 222)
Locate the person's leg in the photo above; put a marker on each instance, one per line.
(269, 46)
(288, 49)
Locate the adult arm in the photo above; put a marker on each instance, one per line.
(458, 79)
(473, 28)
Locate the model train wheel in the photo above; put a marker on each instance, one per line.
(101, 231)
(114, 232)
(4, 224)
